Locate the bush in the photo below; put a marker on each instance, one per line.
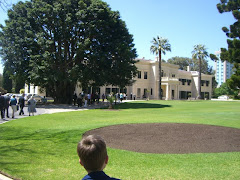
(111, 99)
(224, 89)
(22, 91)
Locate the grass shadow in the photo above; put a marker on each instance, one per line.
(139, 105)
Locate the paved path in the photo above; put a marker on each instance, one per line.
(49, 109)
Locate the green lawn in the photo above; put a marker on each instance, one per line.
(44, 147)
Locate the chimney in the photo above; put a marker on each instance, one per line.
(188, 68)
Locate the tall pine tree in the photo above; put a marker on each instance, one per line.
(7, 81)
(232, 54)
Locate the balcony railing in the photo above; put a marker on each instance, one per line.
(169, 79)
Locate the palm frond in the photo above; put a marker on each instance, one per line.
(160, 44)
(199, 52)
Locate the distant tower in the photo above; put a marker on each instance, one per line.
(224, 70)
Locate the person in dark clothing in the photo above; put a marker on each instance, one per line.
(74, 99)
(79, 100)
(103, 97)
(2, 105)
(21, 103)
(7, 101)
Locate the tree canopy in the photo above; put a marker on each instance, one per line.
(7, 81)
(55, 44)
(224, 89)
(232, 54)
(183, 62)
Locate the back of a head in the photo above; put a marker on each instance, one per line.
(92, 152)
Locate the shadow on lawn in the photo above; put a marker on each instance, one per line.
(24, 138)
(32, 144)
(139, 106)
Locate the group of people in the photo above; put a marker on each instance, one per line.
(85, 99)
(6, 101)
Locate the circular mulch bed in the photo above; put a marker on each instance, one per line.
(170, 138)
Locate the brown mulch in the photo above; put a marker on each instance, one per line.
(170, 138)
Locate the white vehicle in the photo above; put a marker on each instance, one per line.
(37, 97)
(224, 97)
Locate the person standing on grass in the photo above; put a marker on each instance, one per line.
(2, 105)
(32, 106)
(21, 103)
(13, 104)
(92, 152)
(7, 101)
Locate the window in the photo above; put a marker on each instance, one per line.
(202, 83)
(183, 81)
(151, 91)
(145, 93)
(145, 75)
(139, 75)
(172, 94)
(115, 90)
(138, 92)
(123, 90)
(207, 83)
(184, 94)
(189, 82)
(173, 75)
(107, 91)
(206, 95)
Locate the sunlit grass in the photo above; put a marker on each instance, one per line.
(44, 147)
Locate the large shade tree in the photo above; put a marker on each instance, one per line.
(232, 54)
(193, 64)
(55, 44)
(199, 52)
(7, 81)
(160, 46)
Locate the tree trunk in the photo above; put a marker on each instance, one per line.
(199, 79)
(160, 75)
(64, 93)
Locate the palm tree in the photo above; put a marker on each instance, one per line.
(199, 53)
(160, 45)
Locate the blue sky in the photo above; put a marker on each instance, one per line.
(184, 23)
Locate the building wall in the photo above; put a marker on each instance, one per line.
(34, 90)
(224, 70)
(176, 84)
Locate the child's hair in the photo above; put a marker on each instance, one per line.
(92, 152)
